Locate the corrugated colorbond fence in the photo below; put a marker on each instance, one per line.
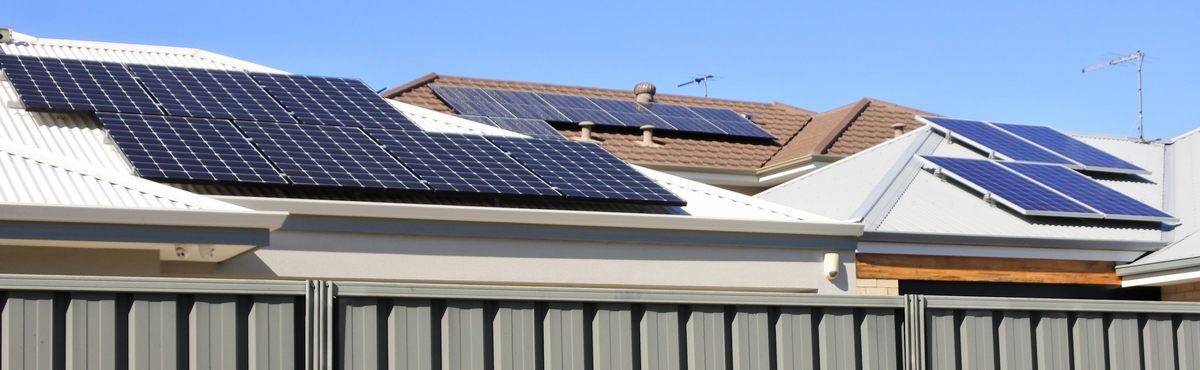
(118, 323)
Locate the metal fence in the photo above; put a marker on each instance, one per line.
(51, 322)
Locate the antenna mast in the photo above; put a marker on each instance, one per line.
(1139, 56)
(700, 80)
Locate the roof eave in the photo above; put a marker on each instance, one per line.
(1008, 241)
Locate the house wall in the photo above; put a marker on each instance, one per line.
(1189, 292)
(78, 261)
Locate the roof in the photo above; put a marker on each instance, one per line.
(885, 187)
(847, 130)
(1179, 261)
(80, 138)
(789, 124)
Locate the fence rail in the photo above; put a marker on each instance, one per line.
(57, 322)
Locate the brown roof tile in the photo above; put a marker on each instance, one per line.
(873, 126)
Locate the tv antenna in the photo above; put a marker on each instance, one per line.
(1139, 56)
(700, 79)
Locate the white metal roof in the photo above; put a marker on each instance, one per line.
(1180, 260)
(79, 136)
(886, 188)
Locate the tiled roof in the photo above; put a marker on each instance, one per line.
(847, 130)
(779, 119)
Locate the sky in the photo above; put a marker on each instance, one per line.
(1012, 61)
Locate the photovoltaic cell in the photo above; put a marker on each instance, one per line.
(579, 109)
(470, 101)
(75, 85)
(461, 163)
(684, 119)
(330, 156)
(209, 93)
(732, 123)
(188, 149)
(631, 114)
(532, 127)
(526, 105)
(994, 139)
(1087, 155)
(585, 170)
(333, 101)
(1008, 187)
(1112, 203)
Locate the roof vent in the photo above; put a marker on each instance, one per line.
(648, 136)
(898, 129)
(585, 130)
(644, 92)
(5, 34)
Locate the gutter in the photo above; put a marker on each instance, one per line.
(268, 220)
(542, 217)
(1005, 241)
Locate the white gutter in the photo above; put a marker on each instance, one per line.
(542, 217)
(269, 220)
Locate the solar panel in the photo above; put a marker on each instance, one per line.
(333, 101)
(1007, 187)
(585, 170)
(330, 156)
(188, 149)
(1112, 203)
(989, 138)
(1087, 155)
(532, 127)
(75, 85)
(579, 109)
(209, 93)
(732, 123)
(470, 101)
(684, 119)
(631, 114)
(526, 105)
(461, 163)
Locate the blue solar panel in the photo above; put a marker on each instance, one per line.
(1007, 187)
(579, 109)
(75, 85)
(188, 149)
(526, 105)
(631, 113)
(333, 101)
(732, 123)
(1112, 203)
(585, 170)
(990, 138)
(1087, 155)
(532, 127)
(330, 156)
(461, 163)
(470, 101)
(209, 93)
(684, 119)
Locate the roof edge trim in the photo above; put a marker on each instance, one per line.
(269, 220)
(1004, 241)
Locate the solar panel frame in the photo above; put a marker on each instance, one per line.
(989, 138)
(333, 101)
(532, 127)
(1111, 203)
(1010, 188)
(470, 101)
(585, 171)
(1092, 158)
(320, 155)
(52, 84)
(732, 123)
(461, 163)
(187, 149)
(209, 93)
(525, 105)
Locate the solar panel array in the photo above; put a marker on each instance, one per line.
(209, 93)
(497, 103)
(532, 127)
(75, 85)
(1026, 143)
(1046, 190)
(333, 101)
(329, 155)
(461, 163)
(584, 170)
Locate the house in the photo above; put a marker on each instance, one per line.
(931, 233)
(797, 141)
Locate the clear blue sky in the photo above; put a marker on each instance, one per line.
(1000, 60)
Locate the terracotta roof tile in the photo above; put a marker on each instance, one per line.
(873, 126)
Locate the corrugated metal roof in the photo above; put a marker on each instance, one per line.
(1184, 201)
(32, 176)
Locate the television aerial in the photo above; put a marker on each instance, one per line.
(700, 79)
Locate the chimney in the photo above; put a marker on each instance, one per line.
(898, 129)
(585, 130)
(648, 136)
(644, 92)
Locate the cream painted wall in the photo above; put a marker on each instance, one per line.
(353, 256)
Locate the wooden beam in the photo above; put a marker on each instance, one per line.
(1009, 270)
